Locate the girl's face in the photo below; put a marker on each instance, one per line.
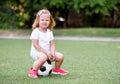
(44, 20)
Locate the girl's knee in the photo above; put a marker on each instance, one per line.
(42, 56)
(59, 56)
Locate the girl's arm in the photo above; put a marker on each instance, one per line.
(39, 48)
(52, 47)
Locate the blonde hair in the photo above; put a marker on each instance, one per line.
(36, 22)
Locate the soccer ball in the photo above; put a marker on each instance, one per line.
(46, 69)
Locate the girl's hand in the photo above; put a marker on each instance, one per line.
(52, 58)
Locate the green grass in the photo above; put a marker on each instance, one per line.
(94, 32)
(88, 62)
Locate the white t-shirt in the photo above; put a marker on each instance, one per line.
(43, 39)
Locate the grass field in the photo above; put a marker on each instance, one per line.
(94, 32)
(88, 62)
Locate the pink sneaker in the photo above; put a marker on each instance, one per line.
(32, 73)
(59, 71)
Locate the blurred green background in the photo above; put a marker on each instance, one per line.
(20, 14)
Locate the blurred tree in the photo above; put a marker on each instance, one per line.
(25, 9)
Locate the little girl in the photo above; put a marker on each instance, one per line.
(43, 46)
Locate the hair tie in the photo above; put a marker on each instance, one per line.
(40, 13)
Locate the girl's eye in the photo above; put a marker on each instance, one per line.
(42, 19)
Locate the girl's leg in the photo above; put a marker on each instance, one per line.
(41, 58)
(40, 61)
(58, 63)
(59, 60)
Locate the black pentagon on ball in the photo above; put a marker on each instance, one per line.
(43, 68)
(48, 61)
